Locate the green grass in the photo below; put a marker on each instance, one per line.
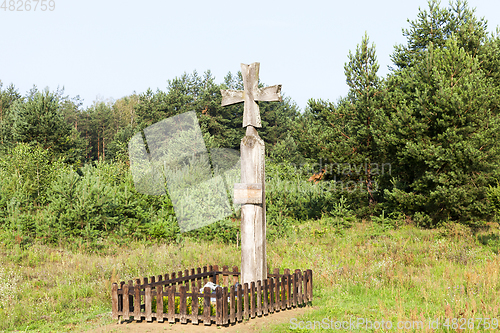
(402, 274)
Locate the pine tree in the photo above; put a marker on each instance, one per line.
(443, 132)
(39, 118)
(7, 98)
(437, 26)
(346, 131)
(363, 107)
(220, 125)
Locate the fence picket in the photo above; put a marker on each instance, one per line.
(216, 276)
(225, 316)
(198, 280)
(114, 301)
(232, 304)
(300, 294)
(246, 313)
(294, 289)
(126, 305)
(239, 312)
(186, 282)
(219, 306)
(304, 287)
(182, 304)
(271, 295)
(259, 298)
(137, 300)
(206, 305)
(286, 274)
(252, 299)
(130, 298)
(283, 292)
(171, 304)
(159, 303)
(266, 297)
(235, 276)
(194, 306)
(120, 298)
(310, 285)
(277, 305)
(225, 276)
(147, 300)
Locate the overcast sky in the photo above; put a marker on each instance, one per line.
(109, 49)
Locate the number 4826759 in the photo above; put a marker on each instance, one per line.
(28, 5)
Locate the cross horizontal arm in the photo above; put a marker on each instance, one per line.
(251, 95)
(269, 94)
(232, 97)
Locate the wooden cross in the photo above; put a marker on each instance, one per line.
(250, 193)
(251, 94)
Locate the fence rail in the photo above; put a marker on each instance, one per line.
(176, 297)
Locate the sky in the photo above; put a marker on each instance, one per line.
(105, 50)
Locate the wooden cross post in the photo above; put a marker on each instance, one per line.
(250, 193)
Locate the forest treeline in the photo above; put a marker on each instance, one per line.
(421, 143)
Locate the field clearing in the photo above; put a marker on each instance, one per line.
(368, 271)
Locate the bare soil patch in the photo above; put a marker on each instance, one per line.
(257, 324)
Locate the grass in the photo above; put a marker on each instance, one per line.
(367, 271)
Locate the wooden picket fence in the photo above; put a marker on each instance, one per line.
(177, 298)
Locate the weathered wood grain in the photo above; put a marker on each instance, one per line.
(147, 301)
(259, 298)
(252, 199)
(252, 299)
(271, 295)
(253, 220)
(251, 94)
(194, 306)
(137, 300)
(239, 312)
(225, 276)
(219, 306)
(171, 304)
(247, 193)
(232, 301)
(159, 304)
(114, 301)
(246, 312)
(206, 306)
(265, 308)
(182, 305)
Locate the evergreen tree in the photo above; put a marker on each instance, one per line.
(363, 110)
(443, 132)
(124, 127)
(222, 126)
(437, 26)
(7, 98)
(443, 116)
(39, 118)
(345, 133)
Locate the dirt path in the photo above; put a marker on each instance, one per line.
(258, 324)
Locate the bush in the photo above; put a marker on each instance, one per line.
(26, 171)
(289, 194)
(493, 196)
(101, 199)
